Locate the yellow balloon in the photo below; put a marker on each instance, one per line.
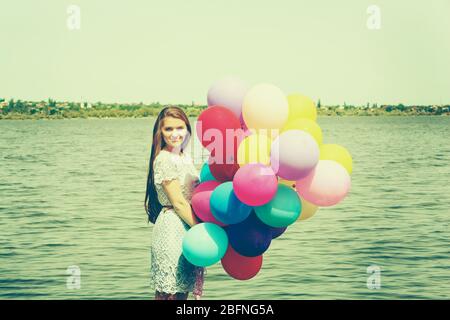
(254, 149)
(337, 153)
(301, 106)
(308, 210)
(306, 125)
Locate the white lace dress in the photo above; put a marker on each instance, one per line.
(170, 271)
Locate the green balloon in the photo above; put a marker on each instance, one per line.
(205, 244)
(283, 210)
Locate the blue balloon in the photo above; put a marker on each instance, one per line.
(205, 173)
(226, 207)
(251, 237)
(205, 244)
(276, 232)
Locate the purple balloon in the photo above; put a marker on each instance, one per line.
(251, 237)
(276, 232)
(228, 92)
(294, 154)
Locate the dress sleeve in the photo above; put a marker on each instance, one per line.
(164, 168)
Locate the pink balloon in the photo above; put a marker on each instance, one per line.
(241, 267)
(326, 185)
(255, 184)
(200, 201)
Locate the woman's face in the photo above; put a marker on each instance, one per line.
(174, 132)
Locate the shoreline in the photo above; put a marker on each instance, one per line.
(21, 116)
(55, 110)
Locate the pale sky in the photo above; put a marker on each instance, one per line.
(171, 51)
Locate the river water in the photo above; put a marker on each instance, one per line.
(71, 196)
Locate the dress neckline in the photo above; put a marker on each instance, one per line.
(181, 154)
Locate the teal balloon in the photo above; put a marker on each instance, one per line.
(205, 244)
(283, 210)
(205, 173)
(226, 207)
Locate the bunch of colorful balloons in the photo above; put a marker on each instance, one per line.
(267, 168)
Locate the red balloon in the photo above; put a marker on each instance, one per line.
(240, 267)
(213, 124)
(219, 130)
(222, 171)
(200, 201)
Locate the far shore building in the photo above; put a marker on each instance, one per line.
(85, 105)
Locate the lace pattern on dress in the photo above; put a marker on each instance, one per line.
(170, 271)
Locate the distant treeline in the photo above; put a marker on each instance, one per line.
(51, 109)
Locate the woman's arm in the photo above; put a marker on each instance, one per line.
(182, 207)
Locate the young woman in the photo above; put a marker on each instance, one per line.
(170, 183)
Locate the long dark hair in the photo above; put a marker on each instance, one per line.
(151, 202)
